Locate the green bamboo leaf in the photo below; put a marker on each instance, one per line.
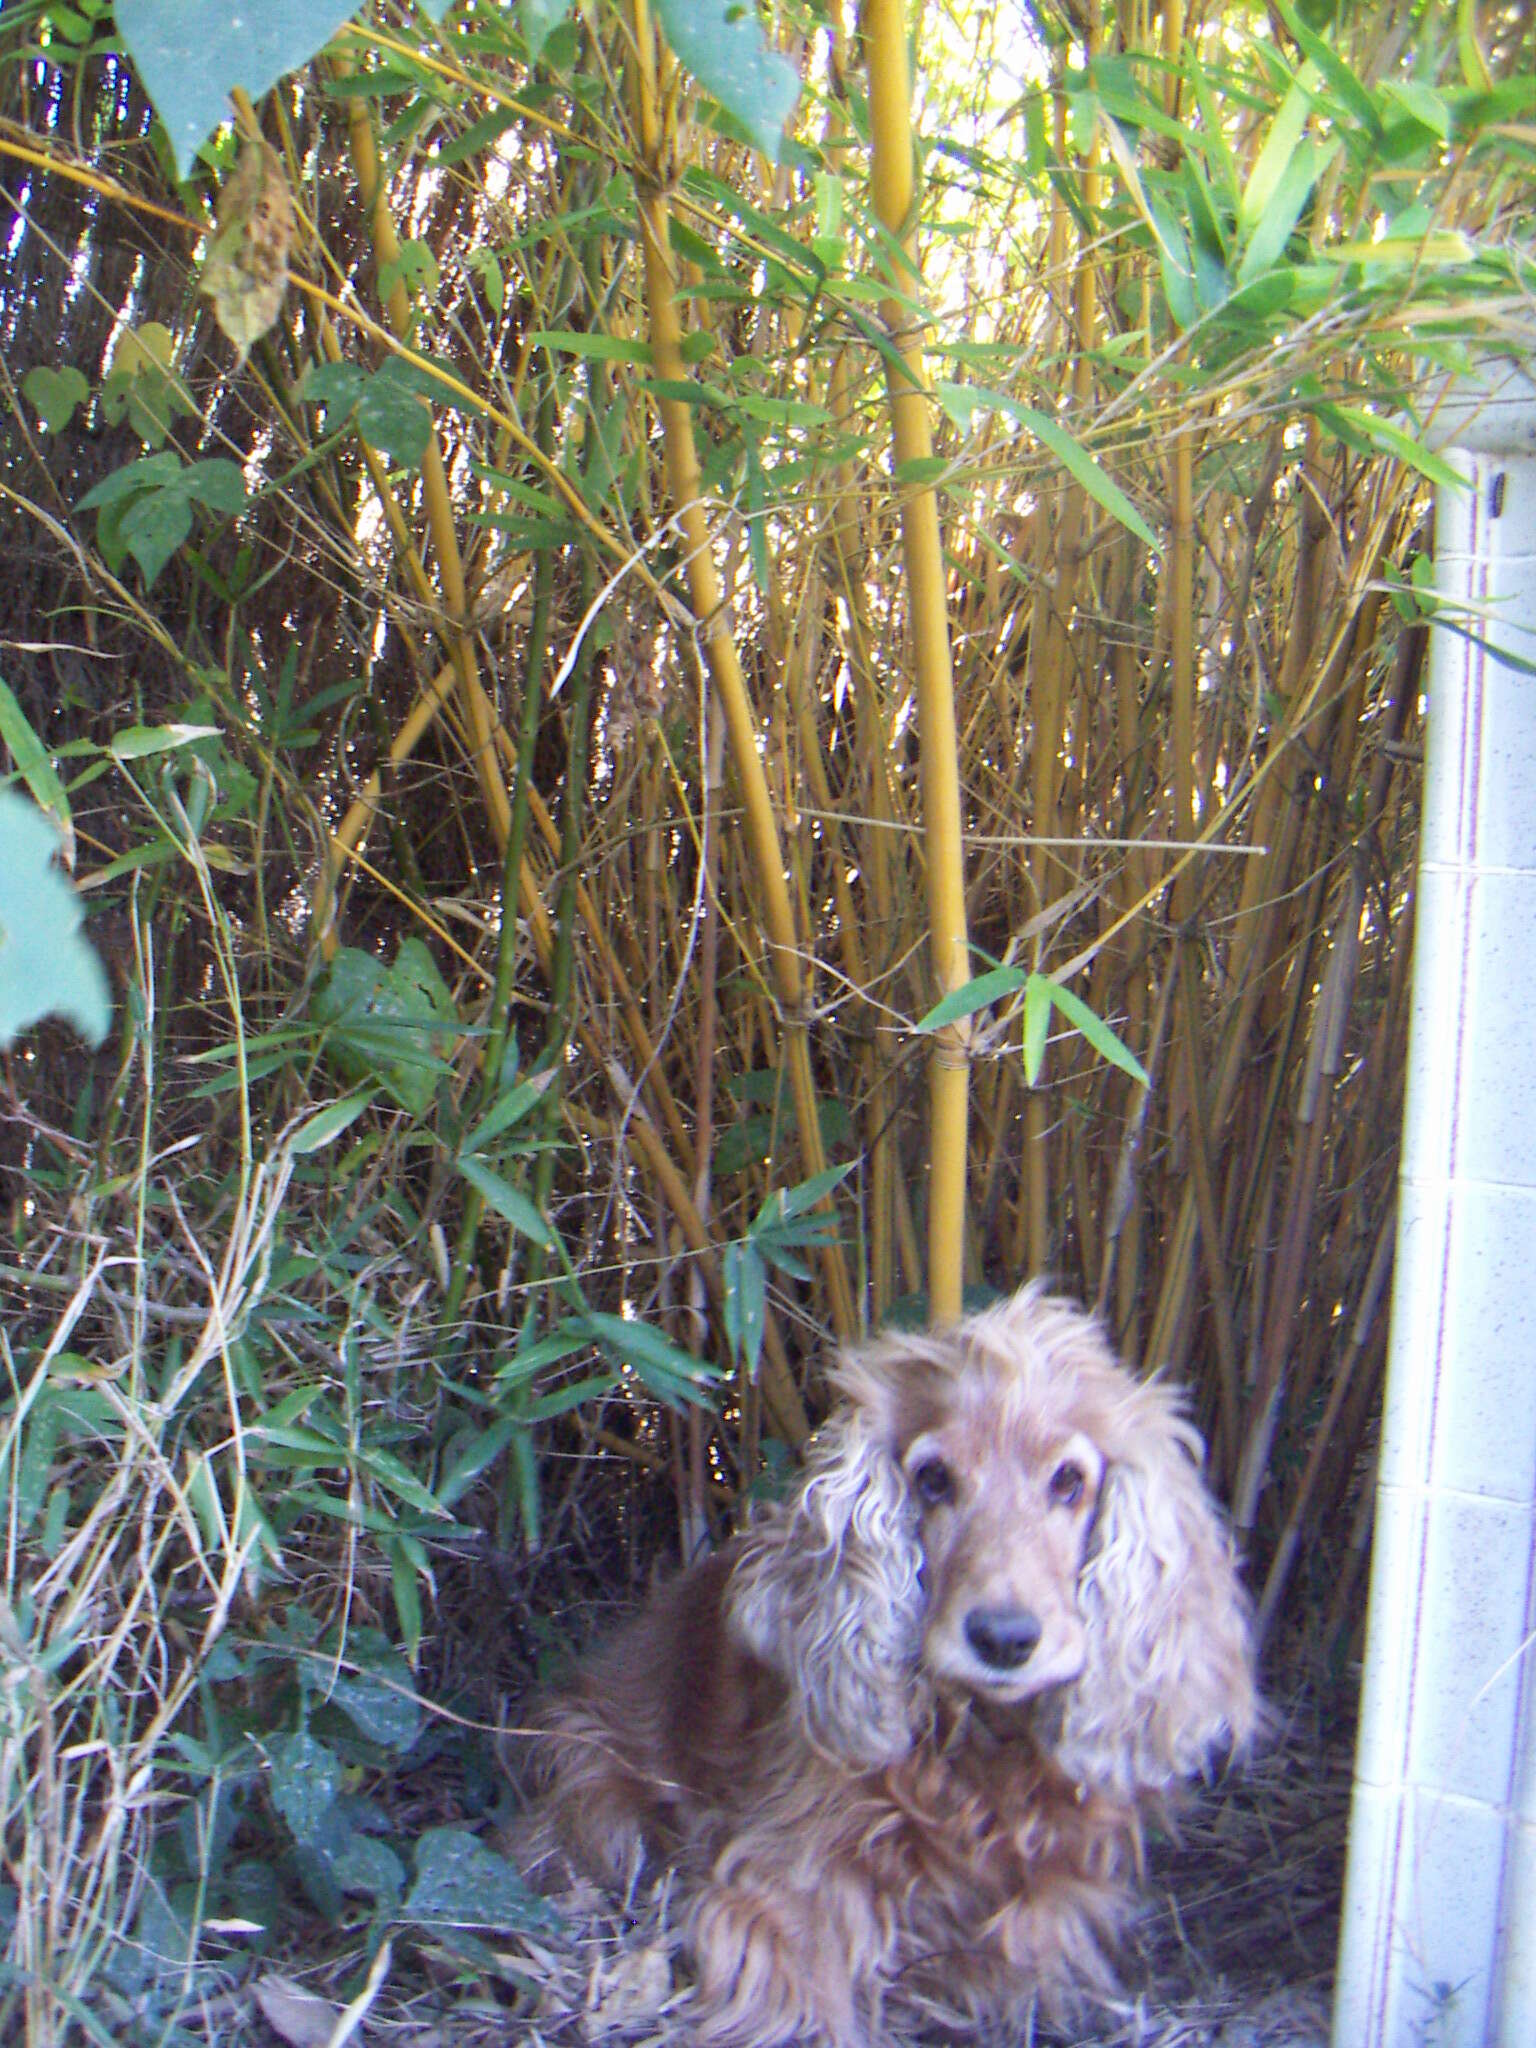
(1037, 1019)
(1045, 993)
(509, 1109)
(35, 767)
(1367, 430)
(596, 348)
(1279, 147)
(986, 988)
(510, 1203)
(746, 1297)
(1266, 245)
(318, 1130)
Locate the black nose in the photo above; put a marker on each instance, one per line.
(1002, 1637)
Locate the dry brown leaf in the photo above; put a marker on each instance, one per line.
(245, 272)
(302, 2019)
(628, 1990)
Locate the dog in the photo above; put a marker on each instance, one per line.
(900, 1738)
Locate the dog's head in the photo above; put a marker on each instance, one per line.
(1000, 1513)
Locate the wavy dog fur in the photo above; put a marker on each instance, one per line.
(903, 1734)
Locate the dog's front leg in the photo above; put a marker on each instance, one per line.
(773, 1967)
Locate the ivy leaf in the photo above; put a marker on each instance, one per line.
(461, 1883)
(55, 394)
(305, 1782)
(540, 19)
(191, 54)
(46, 967)
(723, 44)
(392, 414)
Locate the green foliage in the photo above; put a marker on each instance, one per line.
(190, 54)
(390, 404)
(56, 394)
(145, 508)
(722, 44)
(790, 1221)
(394, 1025)
(1041, 995)
(47, 968)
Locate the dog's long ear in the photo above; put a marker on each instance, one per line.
(1169, 1678)
(827, 1592)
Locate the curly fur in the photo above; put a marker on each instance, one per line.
(902, 1735)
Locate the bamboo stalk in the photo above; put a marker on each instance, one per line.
(707, 601)
(892, 188)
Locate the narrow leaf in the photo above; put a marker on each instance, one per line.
(975, 995)
(510, 1203)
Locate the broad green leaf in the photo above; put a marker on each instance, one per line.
(461, 1883)
(333, 384)
(1266, 245)
(153, 527)
(392, 1024)
(723, 44)
(393, 415)
(189, 54)
(55, 394)
(46, 967)
(977, 994)
(304, 1783)
(377, 1695)
(540, 19)
(35, 767)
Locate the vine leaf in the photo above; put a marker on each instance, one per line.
(191, 54)
(46, 967)
(723, 44)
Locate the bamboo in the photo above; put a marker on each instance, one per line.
(892, 188)
(707, 601)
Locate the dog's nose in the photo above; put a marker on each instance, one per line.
(1002, 1637)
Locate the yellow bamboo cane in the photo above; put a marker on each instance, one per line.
(893, 189)
(719, 648)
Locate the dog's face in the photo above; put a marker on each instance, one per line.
(998, 1510)
(1005, 1500)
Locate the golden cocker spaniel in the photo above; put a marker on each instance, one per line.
(902, 1735)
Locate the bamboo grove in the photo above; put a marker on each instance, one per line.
(747, 668)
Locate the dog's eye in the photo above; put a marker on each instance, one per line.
(931, 1482)
(1067, 1484)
